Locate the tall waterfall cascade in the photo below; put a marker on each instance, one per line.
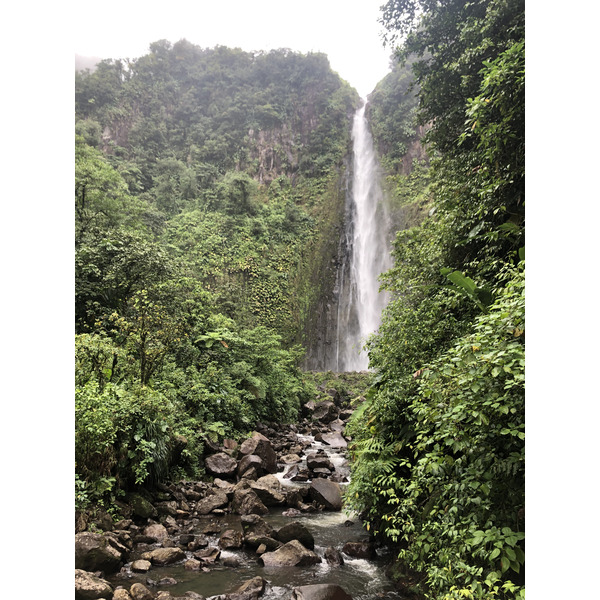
(352, 312)
(367, 232)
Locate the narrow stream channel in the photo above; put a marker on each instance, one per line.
(361, 578)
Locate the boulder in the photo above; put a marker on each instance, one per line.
(90, 587)
(268, 494)
(208, 555)
(260, 445)
(141, 566)
(231, 539)
(246, 502)
(216, 500)
(256, 525)
(254, 586)
(325, 411)
(97, 552)
(290, 459)
(265, 541)
(139, 591)
(296, 531)
(318, 461)
(359, 549)
(156, 532)
(248, 462)
(292, 554)
(121, 594)
(327, 493)
(164, 556)
(335, 439)
(323, 591)
(333, 556)
(141, 507)
(221, 465)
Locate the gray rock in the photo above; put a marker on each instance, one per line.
(90, 587)
(256, 525)
(212, 502)
(325, 411)
(97, 552)
(296, 531)
(139, 591)
(335, 440)
(333, 556)
(260, 445)
(292, 554)
(290, 459)
(156, 532)
(323, 591)
(246, 502)
(221, 465)
(359, 549)
(141, 507)
(326, 493)
(164, 556)
(231, 539)
(250, 461)
(268, 494)
(141, 566)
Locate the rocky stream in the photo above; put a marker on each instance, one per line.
(270, 525)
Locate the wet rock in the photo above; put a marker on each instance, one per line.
(164, 556)
(260, 445)
(221, 465)
(256, 541)
(193, 596)
(193, 564)
(121, 594)
(359, 549)
(296, 531)
(318, 461)
(292, 554)
(291, 512)
(167, 581)
(98, 552)
(216, 500)
(326, 473)
(139, 591)
(333, 556)
(324, 591)
(141, 507)
(337, 425)
(156, 532)
(268, 494)
(335, 440)
(256, 525)
(248, 462)
(231, 562)
(90, 587)
(167, 508)
(231, 539)
(327, 493)
(208, 555)
(246, 502)
(289, 459)
(141, 566)
(325, 411)
(250, 589)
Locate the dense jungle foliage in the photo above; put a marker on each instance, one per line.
(209, 188)
(439, 445)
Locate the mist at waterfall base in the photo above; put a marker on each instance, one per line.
(364, 253)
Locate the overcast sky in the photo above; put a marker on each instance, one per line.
(346, 30)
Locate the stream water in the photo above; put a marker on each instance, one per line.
(362, 579)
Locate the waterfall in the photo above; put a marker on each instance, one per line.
(366, 256)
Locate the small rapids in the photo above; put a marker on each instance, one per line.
(361, 578)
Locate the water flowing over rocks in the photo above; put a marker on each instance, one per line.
(257, 513)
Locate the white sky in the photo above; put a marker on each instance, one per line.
(346, 30)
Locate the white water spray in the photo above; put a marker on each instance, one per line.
(367, 232)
